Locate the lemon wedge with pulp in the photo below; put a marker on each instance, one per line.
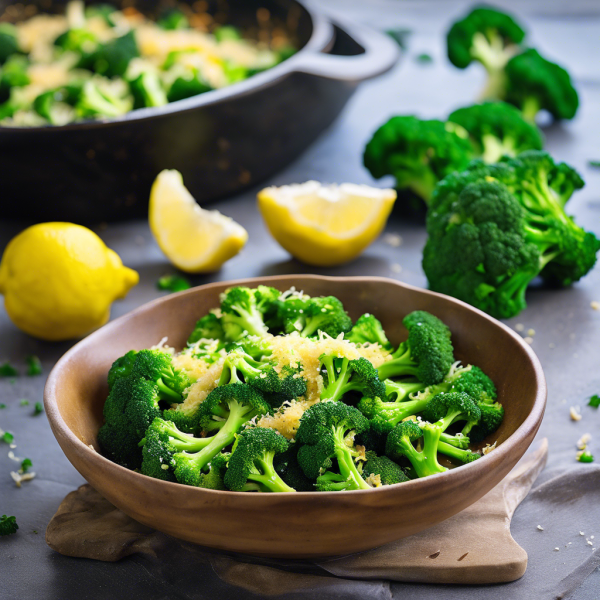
(193, 239)
(325, 225)
(59, 280)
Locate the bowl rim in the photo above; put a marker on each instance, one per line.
(322, 34)
(500, 453)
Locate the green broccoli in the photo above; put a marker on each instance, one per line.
(445, 409)
(121, 368)
(157, 366)
(368, 330)
(534, 84)
(288, 468)
(227, 32)
(9, 43)
(81, 41)
(494, 228)
(388, 471)
(462, 455)
(257, 347)
(427, 354)
(585, 456)
(98, 100)
(173, 283)
(497, 129)
(220, 416)
(490, 37)
(326, 431)
(34, 366)
(492, 416)
(243, 310)
(417, 153)
(7, 370)
(53, 106)
(8, 525)
(13, 75)
(307, 316)
(112, 59)
(147, 91)
(207, 328)
(132, 404)
(250, 467)
(173, 19)
(342, 375)
(187, 85)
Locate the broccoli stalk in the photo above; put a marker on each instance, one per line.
(344, 375)
(462, 455)
(251, 462)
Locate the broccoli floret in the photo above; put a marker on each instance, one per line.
(534, 84)
(221, 414)
(445, 409)
(497, 129)
(325, 433)
(427, 354)
(494, 228)
(251, 466)
(162, 440)
(13, 75)
(132, 404)
(34, 366)
(417, 153)
(121, 368)
(82, 41)
(288, 468)
(474, 382)
(243, 310)
(173, 283)
(307, 316)
(492, 416)
(157, 366)
(400, 443)
(97, 100)
(462, 455)
(342, 375)
(147, 90)
(368, 329)
(173, 19)
(207, 328)
(9, 43)
(8, 525)
(187, 85)
(113, 58)
(489, 37)
(389, 472)
(257, 347)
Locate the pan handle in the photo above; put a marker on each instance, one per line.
(380, 54)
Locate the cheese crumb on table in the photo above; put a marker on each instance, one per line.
(540, 528)
(575, 414)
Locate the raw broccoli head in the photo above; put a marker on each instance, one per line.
(534, 84)
(157, 366)
(497, 129)
(427, 354)
(243, 310)
(417, 153)
(342, 375)
(389, 472)
(325, 433)
(368, 330)
(121, 368)
(445, 409)
(251, 462)
(133, 403)
(485, 35)
(307, 316)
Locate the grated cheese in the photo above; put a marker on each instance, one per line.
(374, 480)
(197, 392)
(287, 419)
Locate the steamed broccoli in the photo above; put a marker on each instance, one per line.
(220, 416)
(243, 310)
(417, 153)
(460, 454)
(445, 409)
(497, 129)
(147, 90)
(490, 37)
(173, 19)
(189, 84)
(491, 418)
(368, 329)
(534, 83)
(157, 366)
(342, 375)
(207, 328)
(113, 58)
(132, 404)
(98, 100)
(9, 43)
(427, 354)
(288, 468)
(492, 229)
(8, 525)
(307, 316)
(251, 464)
(325, 433)
(387, 471)
(121, 368)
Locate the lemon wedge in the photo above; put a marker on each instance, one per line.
(193, 239)
(325, 225)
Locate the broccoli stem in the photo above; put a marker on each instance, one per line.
(269, 478)
(401, 364)
(394, 412)
(346, 463)
(167, 391)
(336, 380)
(425, 463)
(454, 452)
(335, 482)
(402, 389)
(251, 321)
(312, 326)
(530, 108)
(458, 441)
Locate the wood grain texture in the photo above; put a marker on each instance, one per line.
(309, 524)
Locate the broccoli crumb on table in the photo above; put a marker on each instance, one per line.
(282, 392)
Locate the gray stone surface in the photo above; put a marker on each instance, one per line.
(567, 330)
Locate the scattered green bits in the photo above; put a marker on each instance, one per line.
(7, 370)
(8, 525)
(594, 401)
(34, 366)
(424, 58)
(38, 409)
(26, 464)
(594, 163)
(2, 406)
(8, 437)
(24, 403)
(173, 283)
(585, 457)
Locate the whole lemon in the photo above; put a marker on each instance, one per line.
(59, 280)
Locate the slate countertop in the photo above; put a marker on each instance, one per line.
(566, 327)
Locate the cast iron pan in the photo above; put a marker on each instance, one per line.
(222, 141)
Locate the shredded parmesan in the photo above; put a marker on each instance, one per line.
(18, 477)
(489, 448)
(287, 419)
(197, 392)
(574, 413)
(194, 367)
(583, 441)
(374, 480)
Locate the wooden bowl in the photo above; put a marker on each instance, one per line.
(311, 524)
